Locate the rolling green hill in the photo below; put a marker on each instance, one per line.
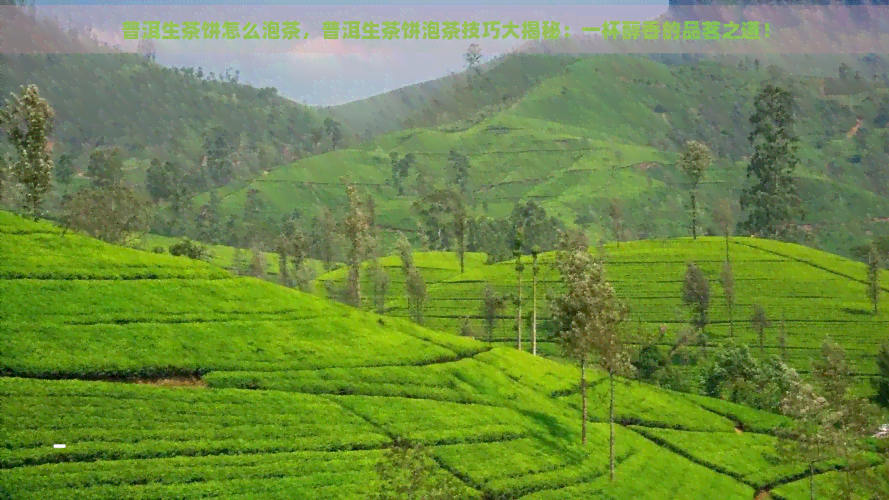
(222, 255)
(293, 396)
(814, 294)
(433, 266)
(607, 128)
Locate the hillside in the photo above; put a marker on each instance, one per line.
(293, 396)
(435, 267)
(607, 128)
(222, 255)
(104, 97)
(814, 294)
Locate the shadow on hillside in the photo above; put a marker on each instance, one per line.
(858, 312)
(557, 434)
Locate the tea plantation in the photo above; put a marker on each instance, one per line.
(294, 396)
(808, 293)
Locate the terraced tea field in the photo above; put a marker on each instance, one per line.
(814, 294)
(221, 255)
(434, 266)
(287, 395)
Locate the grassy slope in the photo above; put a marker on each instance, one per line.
(816, 294)
(577, 139)
(330, 387)
(221, 255)
(434, 267)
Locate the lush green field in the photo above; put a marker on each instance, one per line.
(814, 294)
(222, 255)
(608, 127)
(293, 396)
(433, 266)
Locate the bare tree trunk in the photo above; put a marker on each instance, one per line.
(762, 341)
(534, 312)
(611, 425)
(519, 312)
(282, 268)
(811, 481)
(583, 402)
(694, 217)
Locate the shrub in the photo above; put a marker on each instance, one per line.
(188, 248)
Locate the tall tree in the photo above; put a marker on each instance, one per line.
(110, 214)
(696, 294)
(616, 213)
(829, 421)
(218, 149)
(492, 304)
(535, 253)
(105, 167)
(299, 249)
(356, 228)
(728, 289)
(400, 169)
(519, 269)
(323, 235)
(381, 282)
(161, 179)
(725, 219)
(65, 169)
(538, 228)
(772, 203)
(461, 226)
(694, 162)
(414, 285)
(460, 165)
(257, 262)
(881, 381)
(27, 121)
(282, 248)
(473, 56)
(760, 322)
(334, 130)
(589, 319)
(873, 276)
(5, 175)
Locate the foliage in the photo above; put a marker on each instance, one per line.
(408, 472)
(829, 422)
(694, 162)
(414, 284)
(28, 122)
(881, 381)
(737, 376)
(696, 294)
(874, 265)
(494, 417)
(589, 318)
(105, 168)
(110, 213)
(473, 55)
(190, 249)
(356, 228)
(760, 322)
(773, 203)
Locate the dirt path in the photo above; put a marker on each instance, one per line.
(854, 130)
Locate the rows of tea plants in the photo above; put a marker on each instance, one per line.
(298, 397)
(807, 295)
(435, 267)
(102, 421)
(675, 477)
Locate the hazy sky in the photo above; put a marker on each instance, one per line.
(321, 71)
